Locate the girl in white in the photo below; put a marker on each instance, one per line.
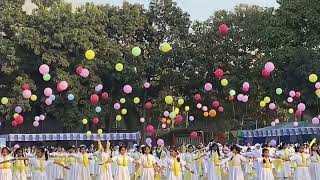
(215, 170)
(284, 172)
(83, 164)
(104, 169)
(148, 163)
(190, 158)
(301, 159)
(5, 164)
(315, 163)
(19, 166)
(201, 163)
(57, 170)
(266, 166)
(71, 162)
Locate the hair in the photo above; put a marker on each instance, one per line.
(123, 146)
(16, 151)
(264, 150)
(43, 151)
(235, 147)
(317, 150)
(145, 147)
(5, 148)
(175, 149)
(212, 146)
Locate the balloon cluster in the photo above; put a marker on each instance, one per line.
(83, 72)
(37, 120)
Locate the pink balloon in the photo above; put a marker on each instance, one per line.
(193, 135)
(315, 121)
(47, 91)
(245, 85)
(116, 106)
(269, 66)
(44, 69)
(63, 85)
(317, 85)
(276, 121)
(272, 106)
(220, 109)
(146, 85)
(160, 142)
(150, 129)
(215, 104)
(290, 99)
(301, 106)
(292, 93)
(84, 73)
(298, 94)
(295, 123)
(36, 124)
(240, 97)
(199, 106)
(245, 89)
(208, 86)
(245, 98)
(166, 114)
(273, 123)
(298, 113)
(26, 93)
(127, 89)
(204, 108)
(197, 97)
(142, 120)
(48, 101)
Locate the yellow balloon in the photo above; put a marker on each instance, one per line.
(166, 47)
(313, 78)
(168, 99)
(318, 92)
(290, 110)
(15, 115)
(187, 108)
(118, 117)
(180, 101)
(177, 110)
(224, 82)
(262, 104)
(88, 133)
(136, 100)
(84, 121)
(205, 114)
(99, 131)
(4, 100)
(34, 98)
(119, 67)
(90, 54)
(267, 99)
(124, 111)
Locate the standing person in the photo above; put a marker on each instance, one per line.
(71, 162)
(57, 170)
(215, 170)
(284, 169)
(5, 164)
(83, 164)
(19, 166)
(301, 159)
(104, 169)
(148, 163)
(201, 163)
(190, 158)
(315, 162)
(266, 165)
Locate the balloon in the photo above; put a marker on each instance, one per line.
(136, 51)
(295, 123)
(124, 111)
(290, 110)
(84, 121)
(193, 135)
(231, 98)
(313, 78)
(298, 94)
(168, 121)
(37, 118)
(177, 110)
(122, 100)
(197, 97)
(127, 89)
(301, 106)
(100, 131)
(245, 98)
(278, 91)
(168, 99)
(267, 99)
(148, 105)
(318, 92)
(88, 133)
(179, 118)
(94, 99)
(84, 73)
(79, 70)
(191, 118)
(187, 108)
(277, 121)
(44, 69)
(163, 120)
(220, 109)
(119, 67)
(89, 54)
(269, 66)
(116, 106)
(208, 87)
(52, 97)
(315, 120)
(25, 86)
(4, 100)
(42, 117)
(98, 88)
(36, 123)
(48, 101)
(150, 129)
(70, 97)
(146, 85)
(136, 100)
(63, 85)
(245, 85)
(166, 114)
(205, 114)
(26, 93)
(164, 126)
(290, 99)
(18, 109)
(172, 115)
(47, 91)
(232, 92)
(104, 95)
(204, 108)
(272, 106)
(199, 106)
(223, 29)
(224, 82)
(46, 77)
(273, 123)
(142, 120)
(16, 146)
(215, 104)
(19, 119)
(118, 118)
(180, 101)
(262, 104)
(292, 93)
(298, 113)
(165, 47)
(273, 143)
(33, 98)
(148, 141)
(212, 113)
(98, 109)
(317, 85)
(95, 120)
(14, 123)
(160, 142)
(218, 73)
(265, 73)
(240, 97)
(15, 115)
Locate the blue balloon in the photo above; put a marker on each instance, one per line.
(98, 109)
(18, 109)
(52, 97)
(70, 97)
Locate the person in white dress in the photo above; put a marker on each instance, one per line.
(57, 170)
(190, 158)
(104, 169)
(19, 166)
(315, 162)
(83, 159)
(266, 165)
(5, 164)
(215, 169)
(148, 164)
(301, 159)
(283, 169)
(71, 162)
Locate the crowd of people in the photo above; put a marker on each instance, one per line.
(187, 162)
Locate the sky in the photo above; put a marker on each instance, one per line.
(198, 9)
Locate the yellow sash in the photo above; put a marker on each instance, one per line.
(176, 167)
(215, 160)
(124, 161)
(41, 168)
(19, 165)
(304, 161)
(233, 162)
(7, 164)
(60, 160)
(149, 164)
(200, 164)
(85, 160)
(267, 164)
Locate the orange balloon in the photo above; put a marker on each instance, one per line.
(212, 113)
(163, 120)
(168, 121)
(205, 114)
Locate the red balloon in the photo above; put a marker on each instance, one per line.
(79, 70)
(94, 99)
(231, 98)
(150, 129)
(104, 95)
(298, 94)
(223, 28)
(148, 105)
(265, 73)
(179, 118)
(220, 109)
(219, 73)
(298, 113)
(215, 104)
(197, 97)
(14, 123)
(19, 119)
(25, 86)
(95, 120)
(193, 135)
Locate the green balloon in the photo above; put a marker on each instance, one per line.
(136, 51)
(122, 100)
(172, 115)
(136, 100)
(232, 92)
(278, 91)
(46, 77)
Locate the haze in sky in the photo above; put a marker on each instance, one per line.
(198, 9)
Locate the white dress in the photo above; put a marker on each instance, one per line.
(19, 170)
(57, 170)
(92, 164)
(38, 169)
(235, 170)
(201, 164)
(191, 163)
(122, 172)
(83, 168)
(71, 162)
(284, 171)
(215, 169)
(266, 169)
(104, 171)
(147, 162)
(5, 168)
(315, 166)
(170, 167)
(302, 171)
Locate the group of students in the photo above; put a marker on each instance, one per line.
(212, 162)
